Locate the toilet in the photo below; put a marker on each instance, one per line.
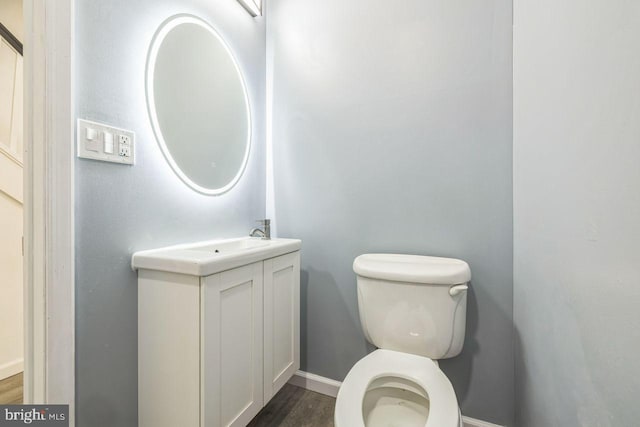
(413, 309)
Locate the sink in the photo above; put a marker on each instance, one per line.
(210, 257)
(229, 246)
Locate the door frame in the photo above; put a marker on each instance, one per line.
(49, 203)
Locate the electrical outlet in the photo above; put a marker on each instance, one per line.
(99, 141)
(125, 150)
(125, 140)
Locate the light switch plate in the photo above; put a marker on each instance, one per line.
(98, 148)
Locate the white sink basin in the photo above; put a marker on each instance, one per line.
(231, 246)
(210, 257)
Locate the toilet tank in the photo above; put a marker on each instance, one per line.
(413, 304)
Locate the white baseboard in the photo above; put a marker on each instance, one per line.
(472, 422)
(330, 387)
(11, 368)
(316, 383)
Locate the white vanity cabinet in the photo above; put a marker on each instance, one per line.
(213, 349)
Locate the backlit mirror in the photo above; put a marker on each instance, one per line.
(198, 104)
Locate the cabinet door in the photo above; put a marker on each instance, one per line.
(168, 349)
(232, 337)
(281, 321)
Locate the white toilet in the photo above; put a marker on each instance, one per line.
(413, 308)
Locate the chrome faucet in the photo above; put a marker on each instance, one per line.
(264, 234)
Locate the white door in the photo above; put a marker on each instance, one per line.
(281, 321)
(232, 336)
(11, 222)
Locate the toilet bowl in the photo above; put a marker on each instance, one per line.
(413, 308)
(393, 389)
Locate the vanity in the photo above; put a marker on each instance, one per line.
(218, 321)
(218, 330)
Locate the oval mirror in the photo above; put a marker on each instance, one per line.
(198, 104)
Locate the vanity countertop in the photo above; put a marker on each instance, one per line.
(211, 257)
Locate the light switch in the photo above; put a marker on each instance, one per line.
(108, 142)
(92, 145)
(91, 134)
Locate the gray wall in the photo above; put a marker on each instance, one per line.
(122, 209)
(392, 132)
(577, 211)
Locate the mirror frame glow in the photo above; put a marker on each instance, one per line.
(164, 29)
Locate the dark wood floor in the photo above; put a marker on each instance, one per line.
(291, 407)
(11, 390)
(296, 407)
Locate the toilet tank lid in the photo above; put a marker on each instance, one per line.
(413, 268)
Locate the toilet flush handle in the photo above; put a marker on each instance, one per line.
(458, 289)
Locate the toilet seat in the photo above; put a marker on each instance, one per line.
(443, 404)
